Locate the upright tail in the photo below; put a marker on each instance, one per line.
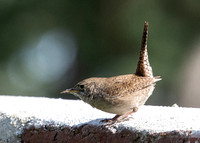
(143, 66)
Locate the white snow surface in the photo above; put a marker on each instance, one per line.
(41, 111)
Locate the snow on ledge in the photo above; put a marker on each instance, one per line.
(43, 111)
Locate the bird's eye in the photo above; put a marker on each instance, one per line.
(81, 86)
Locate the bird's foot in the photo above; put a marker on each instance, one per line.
(116, 119)
(111, 121)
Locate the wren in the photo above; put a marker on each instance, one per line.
(121, 95)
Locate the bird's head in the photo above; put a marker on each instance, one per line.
(86, 88)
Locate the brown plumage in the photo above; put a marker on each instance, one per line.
(143, 67)
(121, 95)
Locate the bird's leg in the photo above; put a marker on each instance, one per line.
(119, 118)
(113, 120)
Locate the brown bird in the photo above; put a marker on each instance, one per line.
(123, 94)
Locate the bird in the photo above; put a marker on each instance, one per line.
(121, 95)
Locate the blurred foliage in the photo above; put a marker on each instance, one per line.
(107, 34)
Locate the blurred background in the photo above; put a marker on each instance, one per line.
(48, 46)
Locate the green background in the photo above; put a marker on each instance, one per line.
(48, 46)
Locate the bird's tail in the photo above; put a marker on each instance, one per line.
(143, 66)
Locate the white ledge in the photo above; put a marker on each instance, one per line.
(16, 113)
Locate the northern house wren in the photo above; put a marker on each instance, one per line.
(121, 95)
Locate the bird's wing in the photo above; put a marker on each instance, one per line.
(123, 87)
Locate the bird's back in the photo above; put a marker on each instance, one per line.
(123, 84)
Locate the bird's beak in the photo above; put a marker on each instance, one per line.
(71, 90)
